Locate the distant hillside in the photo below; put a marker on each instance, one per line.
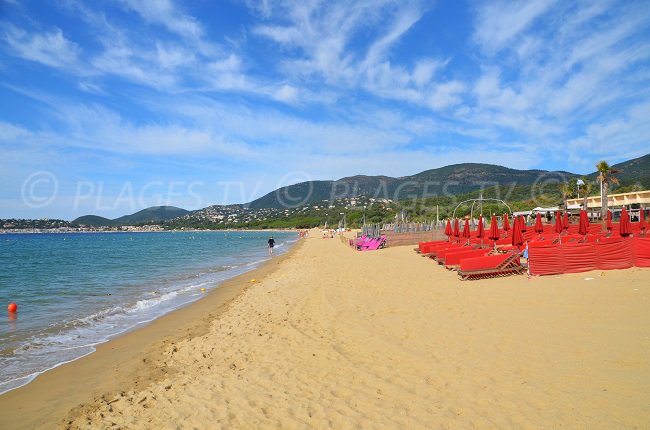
(152, 214)
(93, 221)
(454, 179)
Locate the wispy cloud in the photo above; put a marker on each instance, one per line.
(499, 22)
(331, 88)
(50, 48)
(167, 14)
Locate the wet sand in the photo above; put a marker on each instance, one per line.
(333, 338)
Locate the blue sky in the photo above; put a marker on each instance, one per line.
(112, 106)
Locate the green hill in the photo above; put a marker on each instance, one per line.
(154, 213)
(455, 179)
(93, 221)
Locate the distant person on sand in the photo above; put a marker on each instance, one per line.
(271, 245)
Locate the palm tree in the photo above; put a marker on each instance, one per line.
(606, 177)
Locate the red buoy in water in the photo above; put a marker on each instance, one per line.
(12, 307)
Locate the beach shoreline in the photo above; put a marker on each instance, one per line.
(329, 337)
(52, 394)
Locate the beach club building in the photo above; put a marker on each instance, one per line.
(633, 202)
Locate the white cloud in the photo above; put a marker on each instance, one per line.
(501, 21)
(165, 13)
(446, 95)
(287, 94)
(11, 132)
(49, 48)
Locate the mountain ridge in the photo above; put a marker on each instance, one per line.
(150, 214)
(452, 179)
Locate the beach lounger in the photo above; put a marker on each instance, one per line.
(490, 266)
(443, 253)
(422, 245)
(432, 252)
(373, 244)
(452, 260)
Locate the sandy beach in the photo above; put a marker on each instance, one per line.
(332, 338)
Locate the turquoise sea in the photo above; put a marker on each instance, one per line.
(77, 290)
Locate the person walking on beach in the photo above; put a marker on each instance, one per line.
(271, 245)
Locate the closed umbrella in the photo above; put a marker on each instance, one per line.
(466, 232)
(539, 228)
(456, 229)
(493, 234)
(480, 230)
(565, 221)
(506, 223)
(522, 223)
(625, 226)
(583, 225)
(558, 223)
(517, 237)
(448, 229)
(609, 220)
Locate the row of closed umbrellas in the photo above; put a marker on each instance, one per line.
(519, 226)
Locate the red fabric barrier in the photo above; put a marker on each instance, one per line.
(538, 243)
(579, 257)
(642, 251)
(615, 254)
(545, 260)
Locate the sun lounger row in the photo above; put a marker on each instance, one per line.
(368, 243)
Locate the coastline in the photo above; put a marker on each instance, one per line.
(194, 230)
(333, 338)
(126, 361)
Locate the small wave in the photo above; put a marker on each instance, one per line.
(65, 341)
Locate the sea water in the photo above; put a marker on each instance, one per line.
(75, 291)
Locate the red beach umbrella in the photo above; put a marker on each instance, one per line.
(466, 232)
(522, 223)
(642, 225)
(609, 220)
(538, 223)
(448, 229)
(583, 225)
(480, 230)
(494, 229)
(558, 222)
(517, 237)
(506, 223)
(625, 225)
(456, 229)
(565, 221)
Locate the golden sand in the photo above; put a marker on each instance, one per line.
(334, 338)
